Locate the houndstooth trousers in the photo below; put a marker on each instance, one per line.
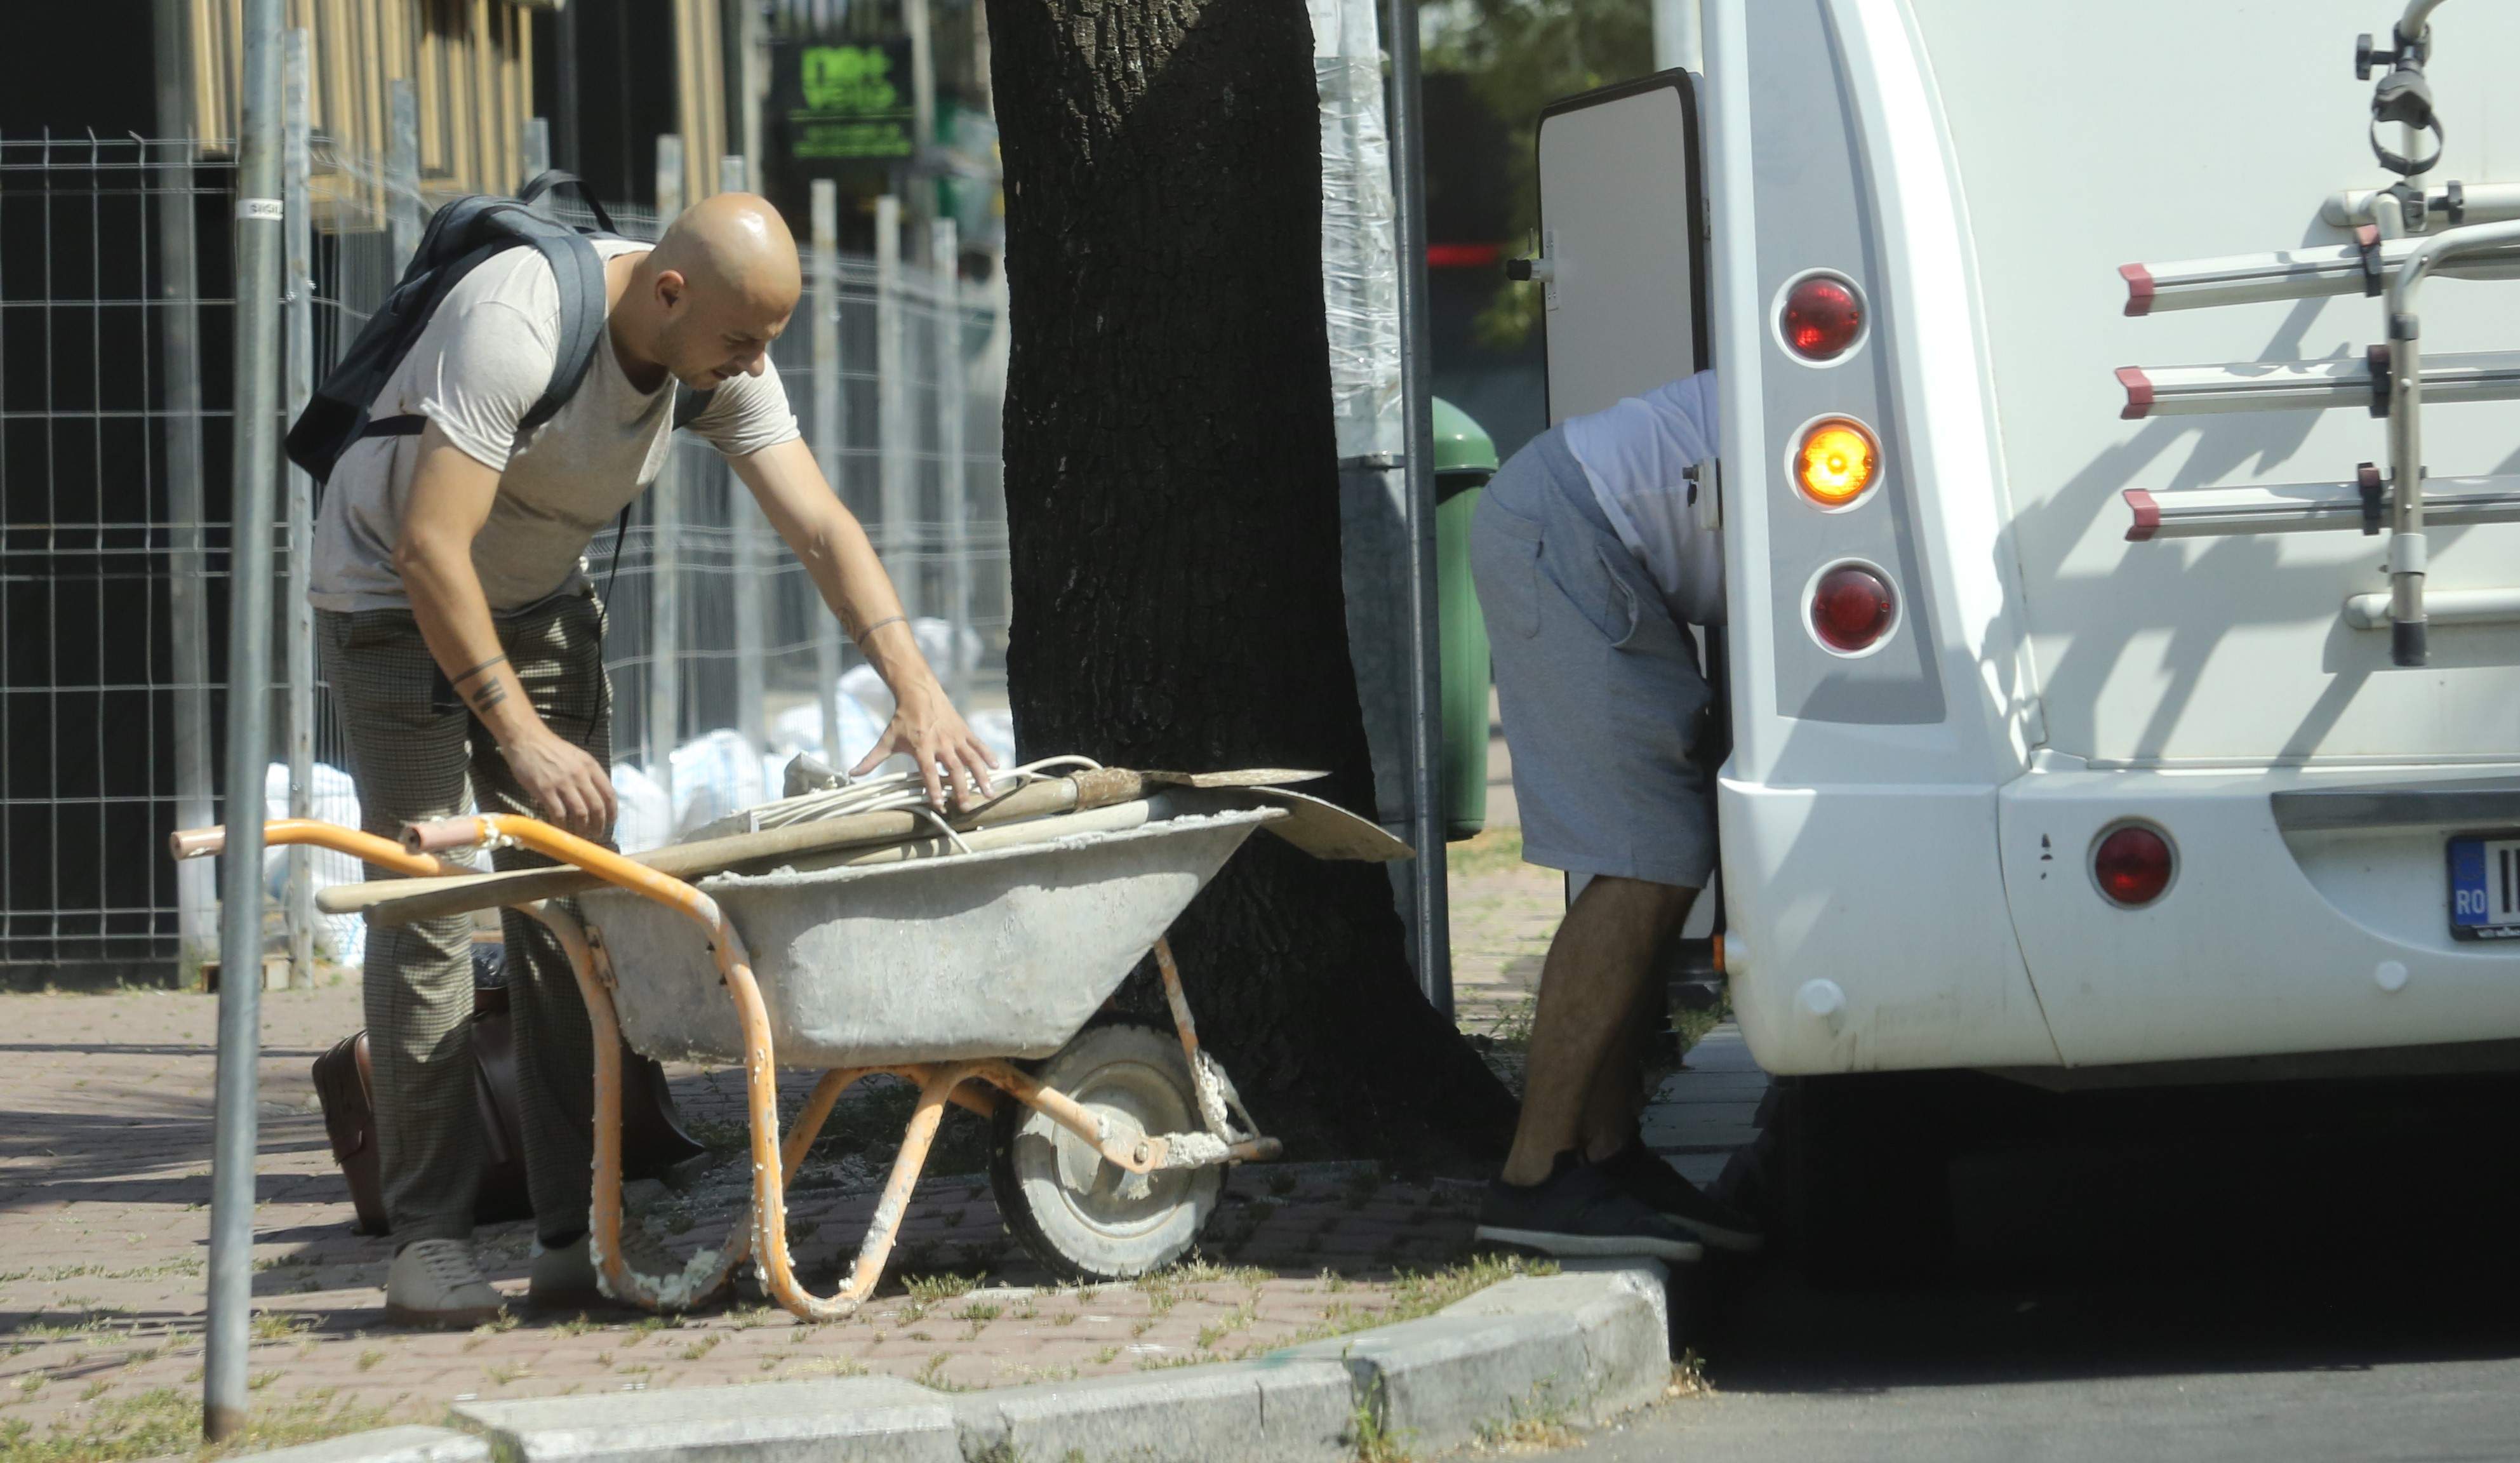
(417, 752)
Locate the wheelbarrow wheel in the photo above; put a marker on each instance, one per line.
(1082, 1216)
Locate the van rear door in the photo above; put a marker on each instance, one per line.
(1624, 306)
(1622, 225)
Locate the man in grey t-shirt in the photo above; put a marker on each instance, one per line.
(464, 645)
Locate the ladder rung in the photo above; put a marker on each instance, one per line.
(2302, 507)
(2285, 274)
(2371, 612)
(2307, 386)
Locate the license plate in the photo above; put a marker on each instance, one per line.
(2484, 887)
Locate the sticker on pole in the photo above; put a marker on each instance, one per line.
(258, 209)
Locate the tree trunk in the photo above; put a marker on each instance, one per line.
(1172, 494)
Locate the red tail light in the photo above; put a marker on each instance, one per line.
(2133, 865)
(1852, 608)
(1823, 316)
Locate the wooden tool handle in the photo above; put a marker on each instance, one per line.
(197, 842)
(399, 901)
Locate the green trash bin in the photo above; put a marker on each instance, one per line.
(1465, 459)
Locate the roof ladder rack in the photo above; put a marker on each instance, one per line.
(2306, 507)
(2393, 380)
(2361, 268)
(2367, 380)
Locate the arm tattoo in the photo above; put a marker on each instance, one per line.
(489, 694)
(477, 670)
(860, 636)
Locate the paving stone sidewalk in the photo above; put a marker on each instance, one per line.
(105, 1127)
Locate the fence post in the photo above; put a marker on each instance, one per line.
(299, 613)
(187, 603)
(534, 152)
(922, 122)
(664, 514)
(829, 432)
(403, 215)
(891, 418)
(669, 179)
(752, 575)
(258, 255)
(946, 257)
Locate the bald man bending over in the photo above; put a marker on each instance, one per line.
(464, 644)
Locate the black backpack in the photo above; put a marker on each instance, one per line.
(462, 236)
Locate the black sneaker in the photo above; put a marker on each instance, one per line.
(1579, 1210)
(1635, 1169)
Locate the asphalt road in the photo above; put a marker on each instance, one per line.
(2186, 1276)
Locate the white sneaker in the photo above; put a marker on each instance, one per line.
(435, 1283)
(564, 1279)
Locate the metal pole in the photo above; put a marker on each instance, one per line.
(946, 257)
(752, 575)
(664, 519)
(1425, 665)
(187, 606)
(259, 248)
(299, 612)
(891, 417)
(830, 431)
(403, 218)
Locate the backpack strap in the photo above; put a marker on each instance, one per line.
(579, 271)
(551, 179)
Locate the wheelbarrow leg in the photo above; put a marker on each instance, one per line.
(936, 1087)
(1217, 1106)
(697, 1283)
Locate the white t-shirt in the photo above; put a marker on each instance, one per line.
(1633, 454)
(481, 364)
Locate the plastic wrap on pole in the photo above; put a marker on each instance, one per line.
(1360, 266)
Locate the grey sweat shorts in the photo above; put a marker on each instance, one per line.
(1600, 687)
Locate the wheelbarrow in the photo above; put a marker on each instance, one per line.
(977, 969)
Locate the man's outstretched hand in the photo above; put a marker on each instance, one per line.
(952, 760)
(565, 782)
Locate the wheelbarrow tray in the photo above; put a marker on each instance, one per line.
(1003, 953)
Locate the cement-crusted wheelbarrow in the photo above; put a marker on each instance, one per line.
(976, 968)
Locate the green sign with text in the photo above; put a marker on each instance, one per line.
(845, 104)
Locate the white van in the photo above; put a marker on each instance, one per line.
(2074, 737)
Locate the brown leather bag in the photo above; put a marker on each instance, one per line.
(652, 1140)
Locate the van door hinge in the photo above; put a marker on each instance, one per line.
(1540, 267)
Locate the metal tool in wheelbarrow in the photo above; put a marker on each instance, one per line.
(1024, 795)
(972, 961)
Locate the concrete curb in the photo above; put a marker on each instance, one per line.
(1579, 1347)
(389, 1445)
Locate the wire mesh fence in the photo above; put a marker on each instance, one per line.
(115, 338)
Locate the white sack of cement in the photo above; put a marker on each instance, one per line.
(714, 776)
(799, 728)
(340, 937)
(647, 819)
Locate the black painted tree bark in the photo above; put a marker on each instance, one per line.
(1172, 492)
